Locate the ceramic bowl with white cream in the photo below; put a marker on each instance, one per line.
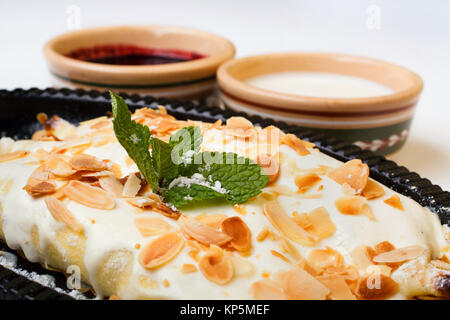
(360, 100)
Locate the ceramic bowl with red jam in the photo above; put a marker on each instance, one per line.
(162, 61)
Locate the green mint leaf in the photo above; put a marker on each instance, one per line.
(240, 176)
(181, 196)
(162, 161)
(186, 139)
(135, 139)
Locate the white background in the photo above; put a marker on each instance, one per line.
(415, 34)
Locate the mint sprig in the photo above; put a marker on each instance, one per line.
(178, 171)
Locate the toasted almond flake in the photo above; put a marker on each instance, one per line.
(379, 269)
(270, 165)
(288, 248)
(267, 290)
(188, 268)
(215, 125)
(280, 255)
(239, 126)
(151, 226)
(212, 220)
(321, 224)
(43, 135)
(166, 211)
(400, 255)
(376, 287)
(339, 289)
(360, 257)
(383, 247)
(161, 250)
(89, 196)
(132, 186)
(367, 211)
(440, 264)
(141, 202)
(281, 221)
(279, 190)
(240, 208)
(301, 219)
(263, 234)
(297, 144)
(166, 283)
(350, 205)
(112, 185)
(61, 214)
(202, 232)
(300, 285)
(137, 246)
(348, 273)
(87, 162)
(353, 172)
(321, 259)
(372, 190)
(394, 202)
(13, 155)
(242, 267)
(238, 230)
(101, 125)
(40, 182)
(306, 182)
(216, 266)
(114, 297)
(61, 168)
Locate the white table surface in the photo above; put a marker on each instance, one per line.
(415, 34)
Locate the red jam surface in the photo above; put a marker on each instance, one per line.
(129, 55)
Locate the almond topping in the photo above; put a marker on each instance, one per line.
(239, 127)
(166, 211)
(353, 172)
(141, 202)
(132, 186)
(40, 182)
(202, 232)
(300, 285)
(339, 289)
(383, 247)
(161, 250)
(86, 162)
(280, 220)
(89, 196)
(267, 290)
(372, 190)
(297, 144)
(13, 155)
(321, 259)
(270, 165)
(394, 202)
(188, 268)
(280, 255)
(212, 220)
(112, 185)
(321, 224)
(151, 226)
(236, 228)
(351, 205)
(306, 182)
(377, 286)
(61, 168)
(242, 267)
(400, 255)
(216, 266)
(61, 214)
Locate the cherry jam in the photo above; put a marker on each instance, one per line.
(130, 55)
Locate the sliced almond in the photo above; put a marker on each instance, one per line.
(348, 273)
(280, 220)
(383, 247)
(151, 226)
(216, 266)
(350, 205)
(321, 224)
(167, 211)
(339, 289)
(141, 202)
(241, 236)
(377, 287)
(297, 144)
(394, 202)
(40, 182)
(270, 165)
(239, 127)
(112, 185)
(212, 220)
(242, 267)
(300, 285)
(61, 168)
(89, 196)
(132, 186)
(161, 250)
(13, 155)
(306, 182)
(267, 290)
(61, 214)
(400, 255)
(353, 172)
(372, 190)
(188, 268)
(321, 259)
(87, 162)
(202, 232)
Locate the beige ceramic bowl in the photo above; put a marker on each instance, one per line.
(189, 79)
(379, 123)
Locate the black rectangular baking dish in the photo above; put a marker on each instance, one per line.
(18, 120)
